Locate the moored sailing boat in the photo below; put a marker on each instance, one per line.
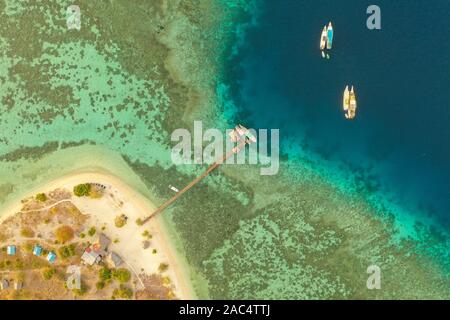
(352, 106)
(323, 38)
(346, 99)
(330, 34)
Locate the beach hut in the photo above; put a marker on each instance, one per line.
(11, 250)
(97, 251)
(115, 260)
(102, 244)
(37, 251)
(51, 257)
(4, 284)
(90, 256)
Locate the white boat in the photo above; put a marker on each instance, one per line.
(346, 99)
(323, 54)
(352, 107)
(330, 34)
(323, 38)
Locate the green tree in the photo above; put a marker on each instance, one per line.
(48, 273)
(100, 285)
(27, 232)
(92, 231)
(122, 275)
(104, 274)
(163, 267)
(67, 251)
(82, 190)
(147, 234)
(41, 197)
(120, 221)
(123, 292)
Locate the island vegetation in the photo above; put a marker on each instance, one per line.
(49, 238)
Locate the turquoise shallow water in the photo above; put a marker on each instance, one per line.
(60, 88)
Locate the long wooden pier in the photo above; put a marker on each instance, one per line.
(195, 181)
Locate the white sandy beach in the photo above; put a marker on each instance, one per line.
(119, 199)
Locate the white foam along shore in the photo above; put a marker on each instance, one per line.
(134, 202)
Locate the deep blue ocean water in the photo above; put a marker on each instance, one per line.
(401, 73)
